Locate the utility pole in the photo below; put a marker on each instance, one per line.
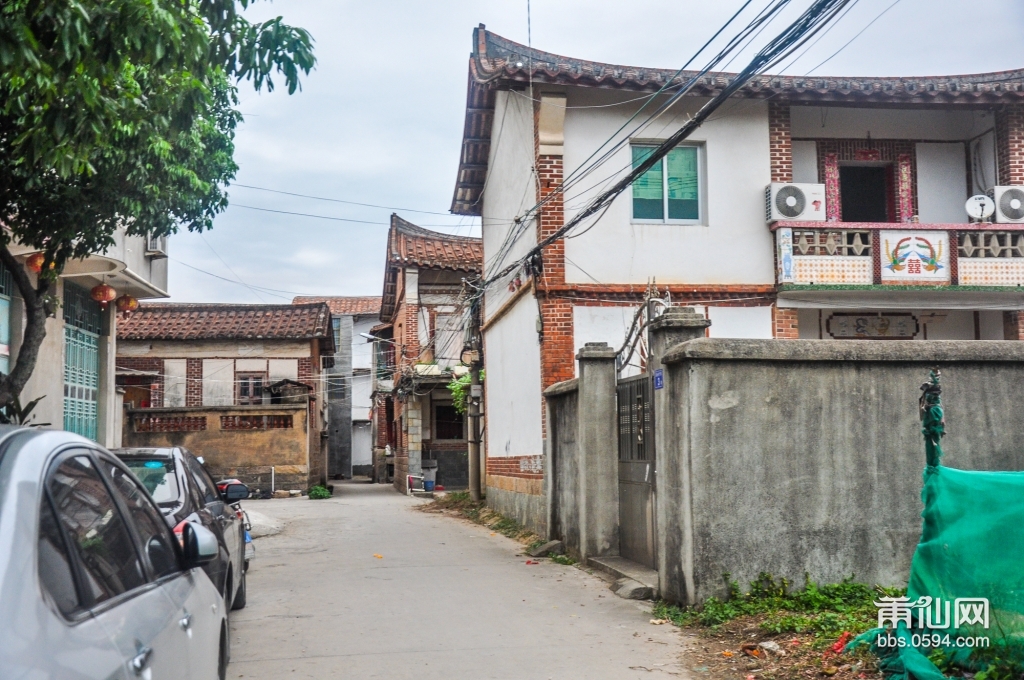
(473, 404)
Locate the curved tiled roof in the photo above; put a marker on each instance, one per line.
(188, 321)
(345, 305)
(498, 63)
(419, 247)
(412, 246)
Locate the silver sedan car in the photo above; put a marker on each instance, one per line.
(93, 583)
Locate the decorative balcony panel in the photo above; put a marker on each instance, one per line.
(832, 270)
(828, 257)
(915, 257)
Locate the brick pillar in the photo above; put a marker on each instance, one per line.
(1010, 145)
(786, 326)
(780, 142)
(194, 382)
(1013, 325)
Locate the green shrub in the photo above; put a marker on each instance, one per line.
(319, 492)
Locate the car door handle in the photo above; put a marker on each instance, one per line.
(141, 660)
(186, 621)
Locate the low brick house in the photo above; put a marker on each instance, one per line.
(239, 385)
(419, 352)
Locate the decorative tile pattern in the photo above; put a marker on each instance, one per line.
(910, 257)
(884, 326)
(784, 243)
(831, 175)
(905, 187)
(992, 272)
(825, 269)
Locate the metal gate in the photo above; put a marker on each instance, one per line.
(636, 470)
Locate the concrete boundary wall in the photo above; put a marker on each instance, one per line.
(805, 456)
(795, 457)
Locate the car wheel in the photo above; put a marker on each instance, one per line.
(229, 590)
(239, 600)
(223, 655)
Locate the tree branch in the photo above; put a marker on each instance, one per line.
(35, 327)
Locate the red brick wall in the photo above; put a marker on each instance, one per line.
(1013, 326)
(524, 467)
(786, 327)
(306, 371)
(1010, 145)
(193, 382)
(780, 142)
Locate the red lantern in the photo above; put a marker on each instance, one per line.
(126, 304)
(103, 294)
(35, 262)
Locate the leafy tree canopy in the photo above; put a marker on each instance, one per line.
(120, 114)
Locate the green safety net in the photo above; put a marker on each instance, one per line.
(965, 595)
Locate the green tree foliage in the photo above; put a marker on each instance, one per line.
(120, 114)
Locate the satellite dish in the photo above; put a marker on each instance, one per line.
(980, 207)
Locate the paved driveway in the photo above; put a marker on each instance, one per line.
(446, 599)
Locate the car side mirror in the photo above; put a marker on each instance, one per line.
(198, 544)
(236, 492)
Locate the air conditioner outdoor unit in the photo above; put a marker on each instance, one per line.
(1009, 204)
(156, 246)
(794, 202)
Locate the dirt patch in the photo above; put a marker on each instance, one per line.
(741, 650)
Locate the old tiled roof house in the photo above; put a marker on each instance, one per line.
(239, 385)
(419, 351)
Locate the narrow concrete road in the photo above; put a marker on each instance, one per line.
(365, 586)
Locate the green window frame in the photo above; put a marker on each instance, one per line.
(672, 191)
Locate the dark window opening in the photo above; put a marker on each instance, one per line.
(865, 193)
(250, 388)
(447, 422)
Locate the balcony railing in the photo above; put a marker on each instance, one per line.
(903, 254)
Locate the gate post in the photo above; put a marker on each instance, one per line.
(598, 452)
(673, 538)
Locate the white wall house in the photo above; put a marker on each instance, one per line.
(882, 249)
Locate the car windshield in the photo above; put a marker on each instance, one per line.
(157, 475)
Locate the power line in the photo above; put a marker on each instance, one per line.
(334, 219)
(338, 200)
(870, 24)
(210, 246)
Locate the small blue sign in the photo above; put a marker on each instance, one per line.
(153, 464)
(659, 379)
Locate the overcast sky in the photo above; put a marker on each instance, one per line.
(380, 119)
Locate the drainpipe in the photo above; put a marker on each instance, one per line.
(271, 479)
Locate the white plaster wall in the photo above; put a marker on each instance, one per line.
(212, 350)
(805, 162)
(362, 350)
(824, 122)
(175, 382)
(510, 187)
(740, 322)
(283, 369)
(362, 402)
(941, 182)
(362, 444)
(603, 324)
(810, 324)
(733, 247)
(250, 365)
(218, 382)
(991, 325)
(513, 386)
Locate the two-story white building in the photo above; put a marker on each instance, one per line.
(810, 207)
(75, 369)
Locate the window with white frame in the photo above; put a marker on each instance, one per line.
(671, 191)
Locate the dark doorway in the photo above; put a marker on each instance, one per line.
(864, 192)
